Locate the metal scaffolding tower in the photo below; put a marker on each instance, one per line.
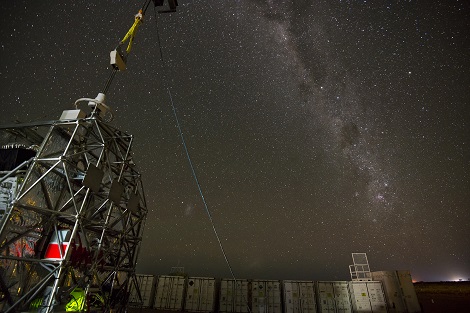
(73, 214)
(360, 270)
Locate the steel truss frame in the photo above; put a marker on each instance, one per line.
(360, 270)
(82, 180)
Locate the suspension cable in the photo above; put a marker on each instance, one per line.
(193, 172)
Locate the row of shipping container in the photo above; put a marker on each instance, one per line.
(203, 294)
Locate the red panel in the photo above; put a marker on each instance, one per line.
(53, 251)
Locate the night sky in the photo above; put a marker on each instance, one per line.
(316, 128)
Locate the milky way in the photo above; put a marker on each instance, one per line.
(330, 94)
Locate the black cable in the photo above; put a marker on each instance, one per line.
(158, 33)
(110, 79)
(145, 6)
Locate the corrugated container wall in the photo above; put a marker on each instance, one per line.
(409, 292)
(146, 285)
(299, 296)
(170, 293)
(367, 296)
(234, 295)
(266, 296)
(359, 296)
(325, 297)
(342, 298)
(333, 296)
(399, 291)
(378, 302)
(200, 294)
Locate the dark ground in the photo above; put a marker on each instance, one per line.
(443, 297)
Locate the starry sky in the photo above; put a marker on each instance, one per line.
(317, 128)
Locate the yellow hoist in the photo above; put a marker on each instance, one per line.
(118, 57)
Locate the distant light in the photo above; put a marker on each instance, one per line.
(456, 279)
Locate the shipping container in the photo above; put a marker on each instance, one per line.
(367, 296)
(200, 294)
(146, 284)
(266, 296)
(409, 292)
(333, 296)
(299, 296)
(378, 302)
(342, 297)
(399, 291)
(359, 296)
(234, 295)
(169, 293)
(325, 297)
